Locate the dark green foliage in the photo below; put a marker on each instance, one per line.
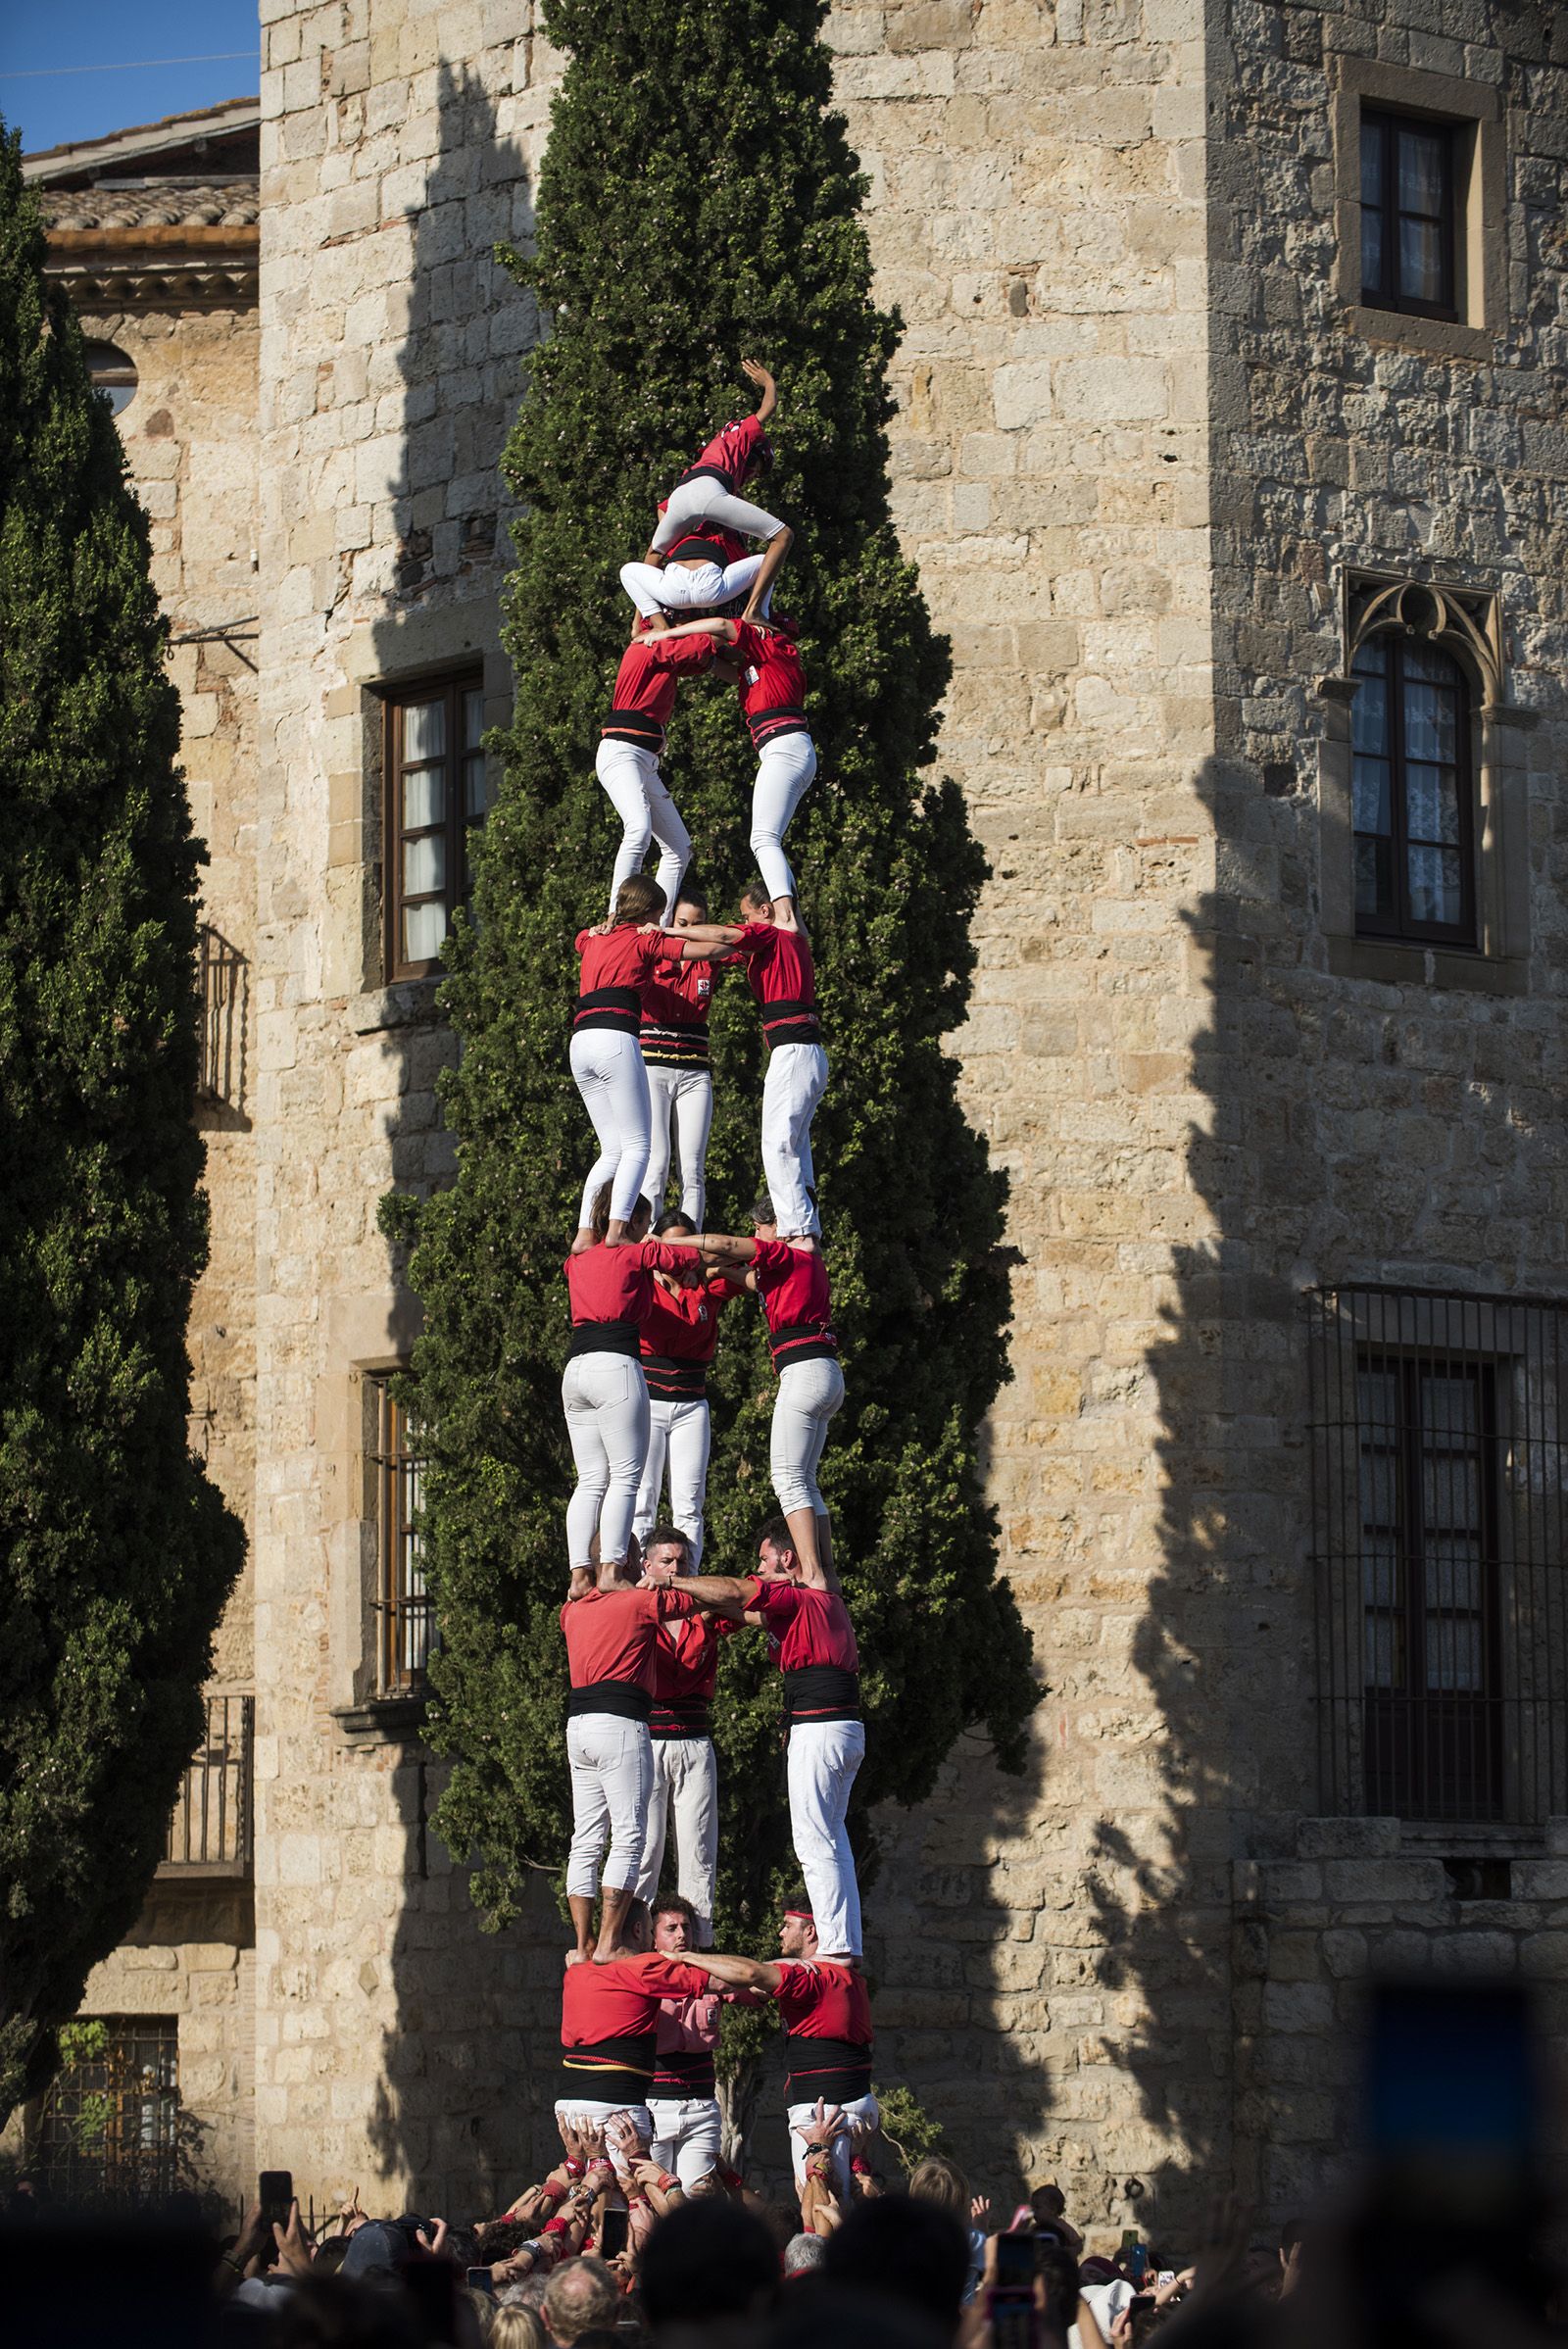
(116, 1553)
(699, 204)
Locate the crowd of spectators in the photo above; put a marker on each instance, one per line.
(607, 2252)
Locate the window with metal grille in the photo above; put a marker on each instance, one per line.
(209, 1832)
(109, 2126)
(403, 1606)
(1413, 803)
(435, 799)
(1439, 1458)
(1408, 200)
(222, 1030)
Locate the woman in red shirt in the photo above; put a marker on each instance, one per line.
(619, 960)
(602, 1391)
(791, 1279)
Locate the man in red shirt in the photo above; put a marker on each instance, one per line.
(611, 1632)
(610, 2025)
(685, 1778)
(813, 1641)
(681, 1079)
(683, 2098)
(827, 2016)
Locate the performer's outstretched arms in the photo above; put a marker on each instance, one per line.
(755, 372)
(737, 1973)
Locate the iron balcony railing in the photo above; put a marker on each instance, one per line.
(1440, 1514)
(210, 1833)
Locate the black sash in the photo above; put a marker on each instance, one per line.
(620, 1697)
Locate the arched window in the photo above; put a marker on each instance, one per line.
(114, 371)
(1414, 814)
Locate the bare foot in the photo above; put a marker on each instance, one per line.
(578, 1957)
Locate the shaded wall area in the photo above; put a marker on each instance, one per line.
(1361, 1119)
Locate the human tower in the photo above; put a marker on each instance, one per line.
(643, 1987)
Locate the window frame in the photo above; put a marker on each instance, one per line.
(135, 2152)
(1414, 1735)
(1401, 926)
(449, 686)
(1389, 121)
(400, 1608)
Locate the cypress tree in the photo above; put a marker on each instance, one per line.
(117, 1551)
(699, 203)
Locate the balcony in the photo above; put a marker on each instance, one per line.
(209, 1832)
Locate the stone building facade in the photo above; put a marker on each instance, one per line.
(1276, 1072)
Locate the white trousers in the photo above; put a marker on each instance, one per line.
(823, 1758)
(679, 1437)
(809, 1395)
(796, 1080)
(605, 1397)
(611, 1771)
(863, 2109)
(595, 2108)
(785, 769)
(685, 1781)
(681, 1108)
(607, 1066)
(688, 586)
(710, 501)
(687, 2138)
(641, 799)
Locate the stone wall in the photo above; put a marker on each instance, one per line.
(190, 441)
(399, 143)
(1140, 441)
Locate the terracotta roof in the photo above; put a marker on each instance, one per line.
(215, 140)
(154, 203)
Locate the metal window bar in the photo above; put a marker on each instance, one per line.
(109, 2133)
(210, 1833)
(402, 1606)
(221, 977)
(1439, 1471)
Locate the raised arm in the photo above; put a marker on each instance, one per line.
(758, 374)
(722, 631)
(736, 1973)
(726, 1248)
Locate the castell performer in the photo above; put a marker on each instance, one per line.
(602, 1391)
(610, 2026)
(765, 668)
(827, 2016)
(610, 1633)
(618, 960)
(812, 1640)
(683, 2099)
(771, 941)
(681, 1728)
(680, 1080)
(791, 1279)
(631, 743)
(676, 1343)
(696, 558)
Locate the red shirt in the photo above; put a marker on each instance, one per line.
(616, 1284)
(613, 1635)
(734, 452)
(650, 668)
(772, 683)
(783, 978)
(675, 1005)
(680, 1335)
(804, 1627)
(791, 1283)
(821, 2000)
(618, 968)
(686, 1660)
(622, 1998)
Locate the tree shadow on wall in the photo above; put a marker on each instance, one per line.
(457, 2121)
(1224, 1640)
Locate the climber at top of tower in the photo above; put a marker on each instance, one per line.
(703, 522)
